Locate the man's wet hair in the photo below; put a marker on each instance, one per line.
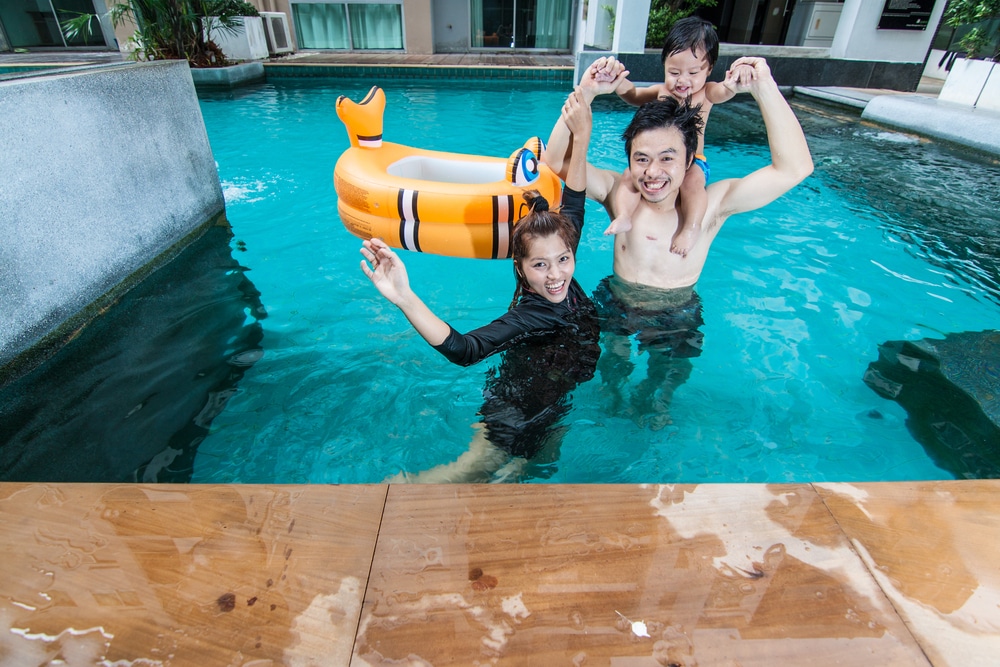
(666, 113)
(692, 33)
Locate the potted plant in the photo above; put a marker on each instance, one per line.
(975, 79)
(248, 41)
(171, 29)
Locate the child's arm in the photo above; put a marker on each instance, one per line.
(388, 274)
(717, 92)
(739, 75)
(636, 96)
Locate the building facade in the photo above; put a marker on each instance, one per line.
(853, 30)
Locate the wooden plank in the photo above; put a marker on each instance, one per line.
(715, 574)
(183, 575)
(932, 547)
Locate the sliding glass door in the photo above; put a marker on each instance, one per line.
(521, 24)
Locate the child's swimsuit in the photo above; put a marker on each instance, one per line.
(548, 349)
(702, 162)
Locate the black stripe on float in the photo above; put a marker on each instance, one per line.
(416, 223)
(409, 222)
(402, 219)
(374, 137)
(503, 227)
(510, 224)
(496, 226)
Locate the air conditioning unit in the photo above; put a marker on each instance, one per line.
(279, 39)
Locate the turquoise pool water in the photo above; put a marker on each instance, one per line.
(797, 298)
(309, 376)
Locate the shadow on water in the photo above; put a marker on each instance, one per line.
(134, 394)
(949, 390)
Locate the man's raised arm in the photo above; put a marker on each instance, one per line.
(601, 78)
(791, 161)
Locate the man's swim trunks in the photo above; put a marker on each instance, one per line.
(665, 321)
(702, 162)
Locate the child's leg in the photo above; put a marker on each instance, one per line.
(626, 200)
(694, 203)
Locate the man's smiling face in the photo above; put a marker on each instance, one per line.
(658, 162)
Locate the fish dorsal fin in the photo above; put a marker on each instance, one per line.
(363, 119)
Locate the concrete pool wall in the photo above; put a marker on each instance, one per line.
(106, 172)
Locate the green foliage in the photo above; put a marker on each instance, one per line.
(171, 29)
(610, 9)
(984, 32)
(235, 8)
(663, 14)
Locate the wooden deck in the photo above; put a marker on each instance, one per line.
(832, 574)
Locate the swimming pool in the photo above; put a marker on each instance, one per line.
(891, 238)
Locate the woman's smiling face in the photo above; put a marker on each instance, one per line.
(548, 267)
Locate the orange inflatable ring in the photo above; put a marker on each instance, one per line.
(430, 201)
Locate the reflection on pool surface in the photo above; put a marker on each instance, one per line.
(892, 238)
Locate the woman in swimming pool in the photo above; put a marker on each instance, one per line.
(549, 336)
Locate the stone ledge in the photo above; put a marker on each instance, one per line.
(968, 126)
(229, 77)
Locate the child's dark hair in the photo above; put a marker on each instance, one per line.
(664, 113)
(689, 34)
(539, 222)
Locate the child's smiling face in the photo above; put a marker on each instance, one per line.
(685, 73)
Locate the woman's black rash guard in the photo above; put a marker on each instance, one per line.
(533, 315)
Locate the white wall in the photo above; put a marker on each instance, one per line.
(858, 36)
(450, 26)
(631, 17)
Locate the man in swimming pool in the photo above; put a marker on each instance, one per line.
(651, 292)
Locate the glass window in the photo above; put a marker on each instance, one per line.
(34, 23)
(520, 24)
(70, 9)
(376, 26)
(321, 26)
(355, 25)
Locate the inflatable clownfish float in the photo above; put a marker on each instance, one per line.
(430, 201)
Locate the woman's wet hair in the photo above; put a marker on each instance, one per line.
(538, 223)
(690, 34)
(665, 113)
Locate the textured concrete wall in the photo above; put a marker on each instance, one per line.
(103, 169)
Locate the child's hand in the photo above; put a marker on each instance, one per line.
(604, 75)
(604, 71)
(745, 72)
